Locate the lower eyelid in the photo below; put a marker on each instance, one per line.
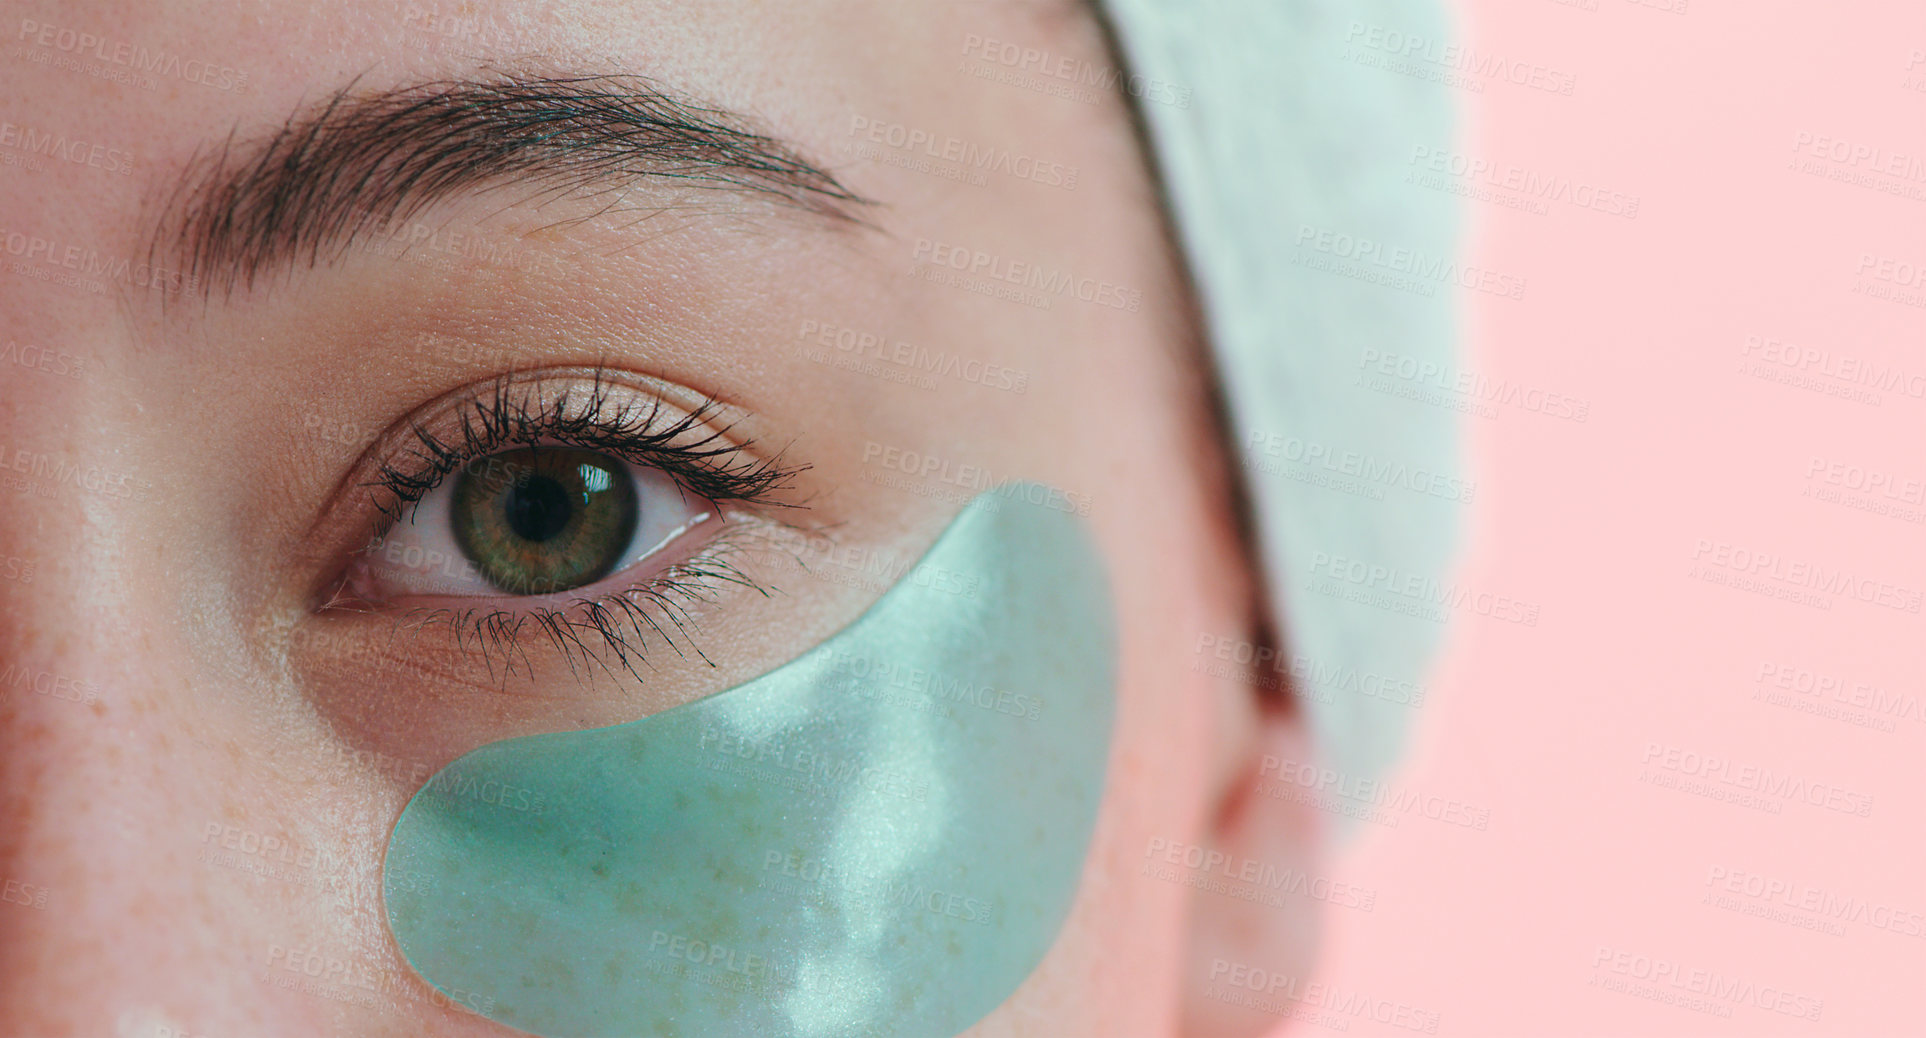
(613, 624)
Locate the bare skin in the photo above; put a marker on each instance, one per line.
(202, 695)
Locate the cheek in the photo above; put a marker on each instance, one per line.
(1168, 720)
(1177, 595)
(1181, 715)
(182, 799)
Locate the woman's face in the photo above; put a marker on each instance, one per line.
(228, 354)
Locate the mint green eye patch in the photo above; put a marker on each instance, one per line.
(880, 838)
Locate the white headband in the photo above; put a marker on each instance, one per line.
(1293, 147)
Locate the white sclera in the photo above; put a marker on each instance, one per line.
(419, 556)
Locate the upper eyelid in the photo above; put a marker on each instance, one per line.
(513, 422)
(762, 477)
(451, 418)
(630, 432)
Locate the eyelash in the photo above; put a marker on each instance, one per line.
(686, 446)
(511, 415)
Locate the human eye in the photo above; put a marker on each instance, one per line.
(586, 509)
(544, 519)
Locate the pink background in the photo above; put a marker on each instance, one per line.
(1698, 114)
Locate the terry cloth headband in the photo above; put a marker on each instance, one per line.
(1284, 140)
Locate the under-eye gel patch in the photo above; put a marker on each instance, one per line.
(879, 838)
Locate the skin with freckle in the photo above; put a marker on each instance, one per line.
(201, 765)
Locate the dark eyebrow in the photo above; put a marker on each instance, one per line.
(359, 160)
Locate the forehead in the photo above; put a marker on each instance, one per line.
(157, 81)
(909, 105)
(905, 103)
(141, 92)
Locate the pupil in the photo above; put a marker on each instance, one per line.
(539, 522)
(537, 508)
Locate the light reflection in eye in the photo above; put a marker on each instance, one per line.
(594, 478)
(531, 521)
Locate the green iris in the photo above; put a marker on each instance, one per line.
(544, 519)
